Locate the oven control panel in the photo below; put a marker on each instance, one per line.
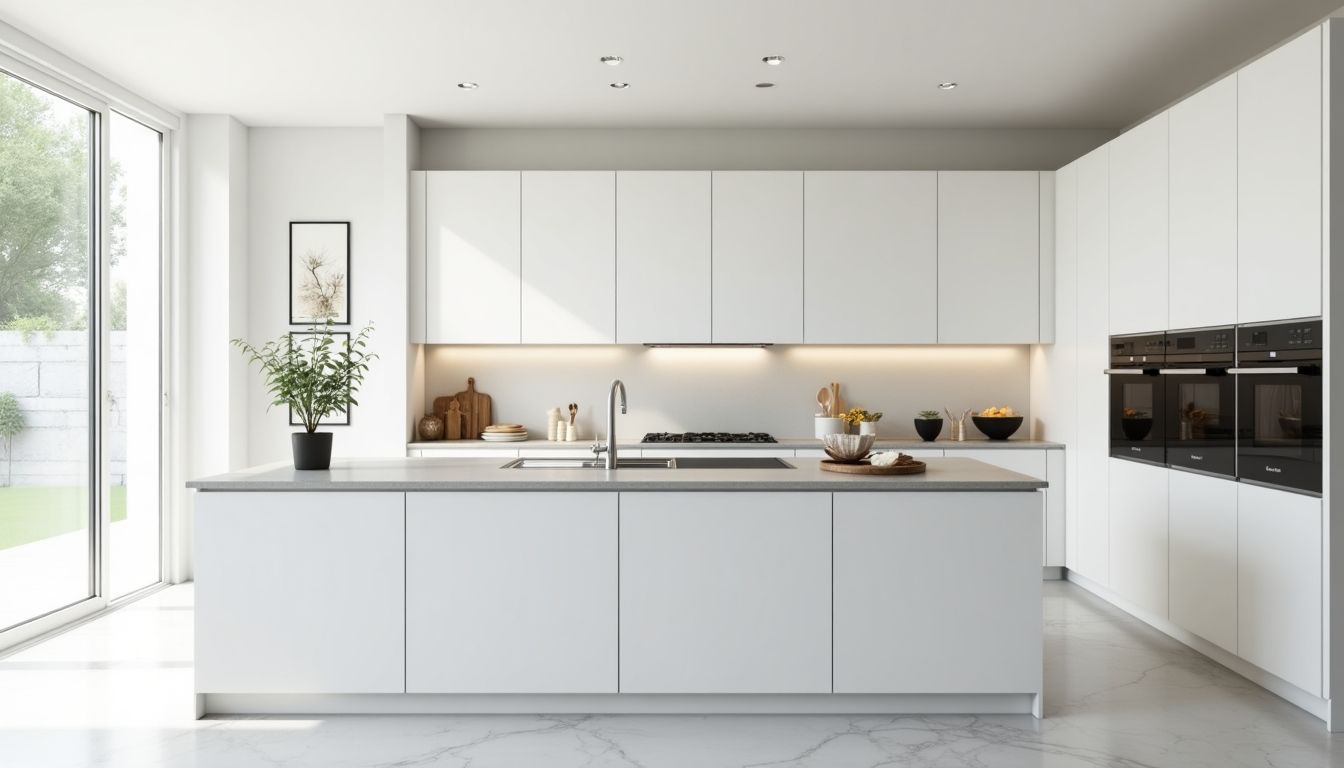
(1292, 335)
(1209, 341)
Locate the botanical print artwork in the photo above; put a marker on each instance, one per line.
(319, 263)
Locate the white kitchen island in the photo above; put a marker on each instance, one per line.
(458, 586)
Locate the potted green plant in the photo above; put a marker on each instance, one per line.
(315, 376)
(929, 424)
(865, 420)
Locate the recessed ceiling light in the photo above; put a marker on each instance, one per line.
(765, 85)
(773, 61)
(611, 61)
(620, 86)
(949, 85)
(468, 86)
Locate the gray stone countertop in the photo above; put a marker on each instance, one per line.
(448, 474)
(786, 443)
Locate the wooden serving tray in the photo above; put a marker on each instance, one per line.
(864, 468)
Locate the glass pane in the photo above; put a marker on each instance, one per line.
(1278, 414)
(1136, 414)
(45, 510)
(133, 362)
(1201, 411)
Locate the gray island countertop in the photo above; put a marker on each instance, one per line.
(448, 474)
(784, 443)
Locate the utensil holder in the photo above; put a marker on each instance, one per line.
(828, 425)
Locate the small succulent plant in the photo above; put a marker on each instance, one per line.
(930, 415)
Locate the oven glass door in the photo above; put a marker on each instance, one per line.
(1137, 417)
(1279, 438)
(1201, 422)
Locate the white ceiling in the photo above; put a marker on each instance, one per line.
(1020, 63)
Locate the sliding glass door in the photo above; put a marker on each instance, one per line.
(80, 347)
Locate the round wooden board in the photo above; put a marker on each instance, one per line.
(864, 468)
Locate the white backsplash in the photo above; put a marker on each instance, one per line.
(729, 389)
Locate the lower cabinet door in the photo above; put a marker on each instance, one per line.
(1279, 584)
(300, 592)
(511, 593)
(725, 592)
(1139, 534)
(1204, 557)
(937, 592)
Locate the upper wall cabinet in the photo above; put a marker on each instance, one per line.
(988, 280)
(871, 266)
(1279, 183)
(1138, 230)
(569, 257)
(1203, 208)
(662, 257)
(472, 251)
(758, 257)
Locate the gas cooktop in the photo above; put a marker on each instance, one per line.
(708, 437)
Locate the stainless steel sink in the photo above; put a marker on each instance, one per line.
(544, 463)
(714, 462)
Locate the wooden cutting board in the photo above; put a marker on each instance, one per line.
(475, 410)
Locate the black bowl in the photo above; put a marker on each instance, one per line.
(1136, 428)
(997, 427)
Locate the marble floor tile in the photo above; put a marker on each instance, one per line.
(116, 692)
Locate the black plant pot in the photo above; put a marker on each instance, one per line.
(312, 450)
(929, 429)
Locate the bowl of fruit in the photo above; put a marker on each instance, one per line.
(997, 423)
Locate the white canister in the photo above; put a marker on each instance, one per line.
(828, 425)
(571, 433)
(867, 427)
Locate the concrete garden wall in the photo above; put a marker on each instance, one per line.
(48, 374)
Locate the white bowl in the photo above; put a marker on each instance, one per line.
(848, 447)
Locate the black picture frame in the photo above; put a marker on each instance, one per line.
(321, 231)
(348, 406)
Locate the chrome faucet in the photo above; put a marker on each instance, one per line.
(610, 448)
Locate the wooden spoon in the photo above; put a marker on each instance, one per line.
(824, 400)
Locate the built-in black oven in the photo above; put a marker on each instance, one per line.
(1201, 400)
(1280, 419)
(1137, 397)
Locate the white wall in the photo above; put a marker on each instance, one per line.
(709, 389)
(755, 148)
(332, 174)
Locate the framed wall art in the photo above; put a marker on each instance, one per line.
(319, 272)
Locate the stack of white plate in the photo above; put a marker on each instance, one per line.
(504, 433)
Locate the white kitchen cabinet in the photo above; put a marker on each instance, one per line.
(1139, 534)
(662, 257)
(1204, 557)
(1202, 285)
(415, 241)
(300, 592)
(1279, 609)
(1047, 465)
(472, 257)
(886, 547)
(753, 614)
(1138, 228)
(988, 280)
(1279, 194)
(1054, 385)
(1093, 445)
(758, 257)
(1046, 283)
(511, 593)
(568, 257)
(871, 257)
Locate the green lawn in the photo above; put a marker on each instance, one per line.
(32, 513)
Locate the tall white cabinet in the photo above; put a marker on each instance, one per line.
(662, 257)
(876, 229)
(1138, 229)
(1092, 506)
(988, 257)
(1279, 156)
(1203, 573)
(1139, 534)
(1202, 267)
(757, 224)
(568, 257)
